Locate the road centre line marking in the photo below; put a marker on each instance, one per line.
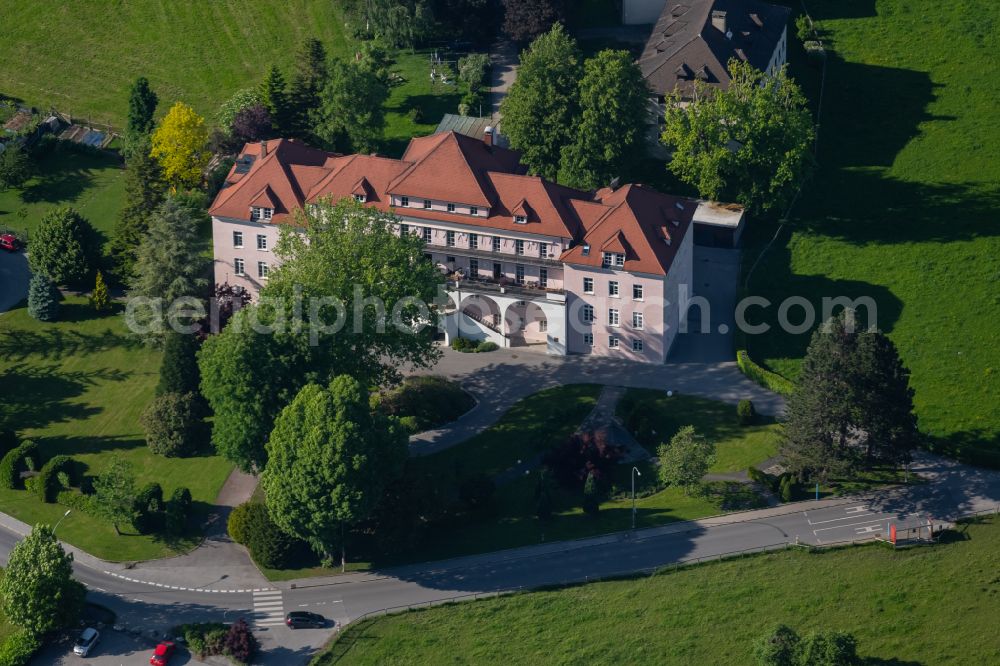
(837, 527)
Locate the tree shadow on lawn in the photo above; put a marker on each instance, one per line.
(35, 397)
(62, 176)
(57, 344)
(70, 445)
(775, 281)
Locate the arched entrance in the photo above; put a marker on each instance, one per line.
(526, 324)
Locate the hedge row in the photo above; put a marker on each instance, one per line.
(769, 380)
(48, 484)
(22, 458)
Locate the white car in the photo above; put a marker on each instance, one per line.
(86, 642)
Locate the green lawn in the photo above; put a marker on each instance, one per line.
(92, 184)
(654, 418)
(416, 91)
(920, 606)
(903, 208)
(82, 57)
(78, 386)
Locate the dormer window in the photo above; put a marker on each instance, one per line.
(613, 259)
(586, 250)
(473, 210)
(257, 213)
(360, 198)
(404, 201)
(427, 203)
(520, 219)
(451, 208)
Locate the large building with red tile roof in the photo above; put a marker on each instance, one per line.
(530, 262)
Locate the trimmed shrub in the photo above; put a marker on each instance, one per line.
(268, 545)
(22, 458)
(591, 496)
(769, 380)
(487, 346)
(787, 488)
(431, 401)
(410, 424)
(203, 638)
(18, 648)
(149, 509)
(177, 511)
(463, 344)
(240, 643)
(172, 425)
(48, 484)
(745, 412)
(236, 525)
(77, 501)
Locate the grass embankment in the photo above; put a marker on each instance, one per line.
(920, 606)
(903, 207)
(77, 387)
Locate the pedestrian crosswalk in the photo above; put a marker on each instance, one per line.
(268, 608)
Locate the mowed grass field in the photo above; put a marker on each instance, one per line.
(78, 387)
(904, 205)
(92, 184)
(82, 57)
(921, 606)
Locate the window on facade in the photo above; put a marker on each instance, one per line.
(543, 325)
(237, 239)
(360, 198)
(637, 292)
(268, 212)
(613, 288)
(473, 210)
(261, 242)
(637, 320)
(496, 243)
(497, 270)
(427, 203)
(619, 260)
(588, 313)
(449, 238)
(520, 219)
(588, 285)
(586, 250)
(404, 229)
(519, 273)
(473, 241)
(262, 270)
(609, 259)
(519, 247)
(543, 250)
(613, 342)
(255, 213)
(636, 345)
(614, 319)
(451, 208)
(474, 267)
(588, 339)
(543, 277)
(449, 260)
(427, 234)
(238, 266)
(404, 201)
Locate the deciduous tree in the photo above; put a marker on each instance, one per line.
(686, 459)
(613, 122)
(329, 459)
(541, 109)
(64, 247)
(38, 590)
(351, 117)
(750, 143)
(15, 167)
(180, 144)
(252, 124)
(114, 491)
(241, 99)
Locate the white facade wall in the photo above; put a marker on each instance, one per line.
(681, 273)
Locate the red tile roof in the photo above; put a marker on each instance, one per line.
(450, 167)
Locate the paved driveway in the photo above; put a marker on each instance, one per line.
(709, 336)
(14, 277)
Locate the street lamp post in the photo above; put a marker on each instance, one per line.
(68, 511)
(635, 470)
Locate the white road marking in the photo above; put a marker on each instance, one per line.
(268, 608)
(837, 527)
(869, 529)
(833, 520)
(861, 508)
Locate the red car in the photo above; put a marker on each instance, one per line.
(162, 653)
(9, 242)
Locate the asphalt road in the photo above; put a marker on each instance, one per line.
(951, 490)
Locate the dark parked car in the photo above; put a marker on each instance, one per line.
(9, 242)
(302, 619)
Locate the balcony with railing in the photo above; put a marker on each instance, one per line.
(505, 285)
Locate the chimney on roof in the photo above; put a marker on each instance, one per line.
(263, 149)
(488, 136)
(719, 20)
